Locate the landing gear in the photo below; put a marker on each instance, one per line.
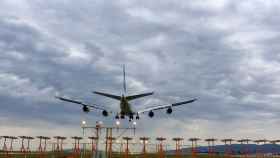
(130, 117)
(122, 115)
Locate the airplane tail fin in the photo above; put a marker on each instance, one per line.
(108, 95)
(124, 81)
(132, 97)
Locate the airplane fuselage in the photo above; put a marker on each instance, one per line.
(125, 107)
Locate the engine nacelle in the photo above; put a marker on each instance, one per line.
(151, 114)
(169, 110)
(85, 109)
(105, 113)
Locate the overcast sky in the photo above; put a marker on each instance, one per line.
(226, 53)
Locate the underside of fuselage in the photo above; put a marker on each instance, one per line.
(125, 108)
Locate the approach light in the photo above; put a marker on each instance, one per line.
(134, 123)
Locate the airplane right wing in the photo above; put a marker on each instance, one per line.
(81, 103)
(159, 107)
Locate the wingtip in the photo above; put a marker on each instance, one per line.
(94, 92)
(195, 99)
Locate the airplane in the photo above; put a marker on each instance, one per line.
(125, 106)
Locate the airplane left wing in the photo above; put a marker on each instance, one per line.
(159, 107)
(81, 103)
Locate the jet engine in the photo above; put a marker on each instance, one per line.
(169, 110)
(131, 117)
(104, 113)
(85, 109)
(151, 114)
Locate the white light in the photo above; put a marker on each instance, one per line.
(118, 123)
(134, 123)
(84, 122)
(100, 122)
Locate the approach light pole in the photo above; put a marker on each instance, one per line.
(144, 140)
(178, 143)
(194, 146)
(160, 147)
(228, 150)
(211, 145)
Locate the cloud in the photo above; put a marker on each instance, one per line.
(12, 85)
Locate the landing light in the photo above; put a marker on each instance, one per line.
(134, 123)
(118, 123)
(84, 122)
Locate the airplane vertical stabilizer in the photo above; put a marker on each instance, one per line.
(124, 81)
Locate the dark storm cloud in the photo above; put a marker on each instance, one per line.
(219, 52)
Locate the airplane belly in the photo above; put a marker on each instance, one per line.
(125, 109)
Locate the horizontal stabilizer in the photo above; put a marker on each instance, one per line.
(108, 95)
(132, 97)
